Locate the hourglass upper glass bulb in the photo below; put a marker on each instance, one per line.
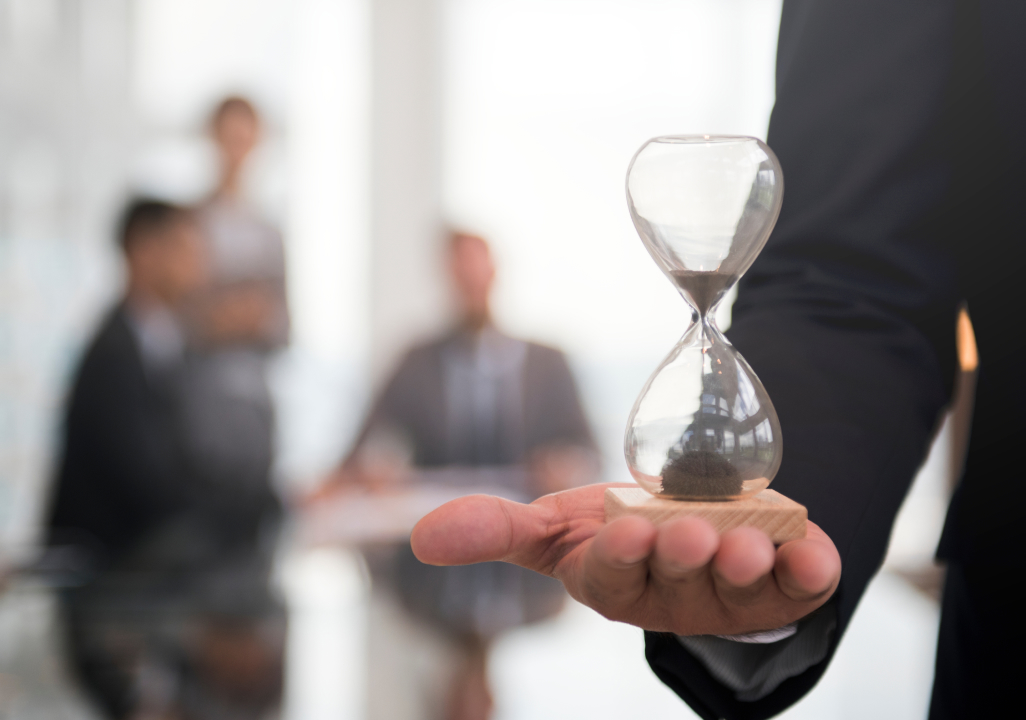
(704, 426)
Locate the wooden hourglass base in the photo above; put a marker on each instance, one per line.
(779, 517)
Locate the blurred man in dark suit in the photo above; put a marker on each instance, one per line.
(122, 471)
(167, 607)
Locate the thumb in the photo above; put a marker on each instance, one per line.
(472, 529)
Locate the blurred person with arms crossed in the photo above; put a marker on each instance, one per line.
(166, 602)
(900, 129)
(238, 319)
(470, 408)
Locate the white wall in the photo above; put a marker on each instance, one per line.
(65, 127)
(306, 64)
(546, 102)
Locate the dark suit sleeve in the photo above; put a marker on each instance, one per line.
(848, 316)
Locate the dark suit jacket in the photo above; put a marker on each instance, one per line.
(899, 126)
(121, 471)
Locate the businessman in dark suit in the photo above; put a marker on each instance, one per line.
(122, 470)
(899, 126)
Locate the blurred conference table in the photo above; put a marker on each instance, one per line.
(354, 516)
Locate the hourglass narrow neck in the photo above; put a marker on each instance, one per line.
(703, 333)
(708, 333)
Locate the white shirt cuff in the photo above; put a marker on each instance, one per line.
(764, 637)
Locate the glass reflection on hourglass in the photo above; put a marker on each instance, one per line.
(703, 427)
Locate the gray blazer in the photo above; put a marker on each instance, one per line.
(430, 402)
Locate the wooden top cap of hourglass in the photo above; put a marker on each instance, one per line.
(781, 518)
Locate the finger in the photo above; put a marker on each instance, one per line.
(683, 550)
(741, 567)
(808, 569)
(476, 528)
(615, 568)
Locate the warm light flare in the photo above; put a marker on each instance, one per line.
(965, 341)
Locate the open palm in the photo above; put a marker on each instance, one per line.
(680, 577)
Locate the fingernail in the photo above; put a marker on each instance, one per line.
(631, 560)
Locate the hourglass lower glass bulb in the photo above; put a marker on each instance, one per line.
(704, 428)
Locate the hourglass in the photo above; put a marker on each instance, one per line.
(703, 437)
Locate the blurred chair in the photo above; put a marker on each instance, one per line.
(472, 408)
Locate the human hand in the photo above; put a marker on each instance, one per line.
(680, 577)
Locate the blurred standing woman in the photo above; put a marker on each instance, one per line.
(246, 303)
(239, 319)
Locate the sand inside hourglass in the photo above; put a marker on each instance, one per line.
(703, 286)
(701, 474)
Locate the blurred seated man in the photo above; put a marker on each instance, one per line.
(165, 586)
(474, 406)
